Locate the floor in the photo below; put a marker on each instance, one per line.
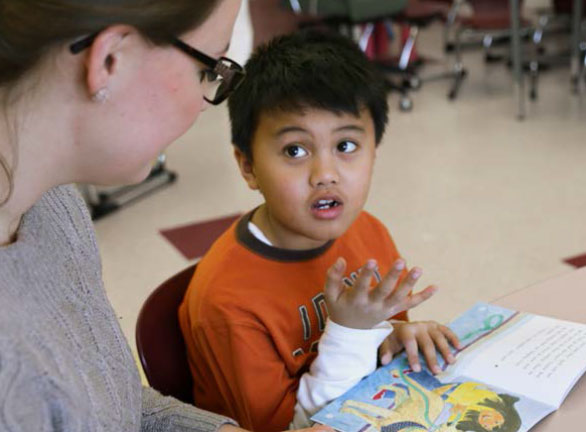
(485, 204)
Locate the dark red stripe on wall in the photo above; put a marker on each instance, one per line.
(577, 261)
(193, 240)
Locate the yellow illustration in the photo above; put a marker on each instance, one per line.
(464, 407)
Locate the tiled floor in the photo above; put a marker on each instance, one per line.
(484, 203)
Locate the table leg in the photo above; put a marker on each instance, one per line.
(576, 64)
(517, 58)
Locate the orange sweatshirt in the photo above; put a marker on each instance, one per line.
(253, 315)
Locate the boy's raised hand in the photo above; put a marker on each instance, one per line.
(359, 306)
(427, 337)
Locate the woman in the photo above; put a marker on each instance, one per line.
(90, 91)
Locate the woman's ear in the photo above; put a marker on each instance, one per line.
(105, 58)
(246, 169)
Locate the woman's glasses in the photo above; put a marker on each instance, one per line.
(220, 77)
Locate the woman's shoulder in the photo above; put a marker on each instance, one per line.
(63, 214)
(55, 237)
(62, 208)
(65, 201)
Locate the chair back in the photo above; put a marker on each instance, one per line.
(491, 7)
(354, 11)
(159, 341)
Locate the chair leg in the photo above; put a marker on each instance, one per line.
(582, 73)
(489, 55)
(408, 48)
(458, 71)
(450, 25)
(410, 79)
(363, 35)
(538, 49)
(405, 101)
(533, 80)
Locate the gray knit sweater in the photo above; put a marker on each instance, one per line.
(64, 362)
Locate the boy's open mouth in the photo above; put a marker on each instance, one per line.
(325, 204)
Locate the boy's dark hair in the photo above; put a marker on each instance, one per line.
(307, 69)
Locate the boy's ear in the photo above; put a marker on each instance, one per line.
(246, 169)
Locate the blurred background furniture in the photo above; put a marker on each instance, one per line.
(560, 24)
(477, 24)
(487, 20)
(578, 61)
(368, 23)
(577, 49)
(159, 340)
(420, 14)
(103, 201)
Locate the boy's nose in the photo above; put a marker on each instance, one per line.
(324, 173)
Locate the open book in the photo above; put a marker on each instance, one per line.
(514, 369)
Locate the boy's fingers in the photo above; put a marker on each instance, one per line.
(406, 286)
(452, 337)
(386, 352)
(428, 349)
(390, 346)
(385, 288)
(409, 302)
(362, 284)
(412, 352)
(333, 287)
(441, 343)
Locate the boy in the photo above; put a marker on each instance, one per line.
(305, 124)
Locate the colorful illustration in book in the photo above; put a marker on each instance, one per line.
(465, 406)
(490, 323)
(513, 369)
(475, 407)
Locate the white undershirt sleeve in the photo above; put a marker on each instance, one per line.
(345, 356)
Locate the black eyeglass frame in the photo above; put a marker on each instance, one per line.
(232, 73)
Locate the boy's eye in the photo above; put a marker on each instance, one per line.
(295, 151)
(347, 147)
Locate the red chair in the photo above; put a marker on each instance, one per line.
(420, 14)
(159, 340)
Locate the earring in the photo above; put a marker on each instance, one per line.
(102, 95)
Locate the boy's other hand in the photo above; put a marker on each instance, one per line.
(425, 336)
(361, 307)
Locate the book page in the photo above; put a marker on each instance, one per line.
(513, 370)
(395, 398)
(539, 357)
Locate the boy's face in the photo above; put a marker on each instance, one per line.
(313, 169)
